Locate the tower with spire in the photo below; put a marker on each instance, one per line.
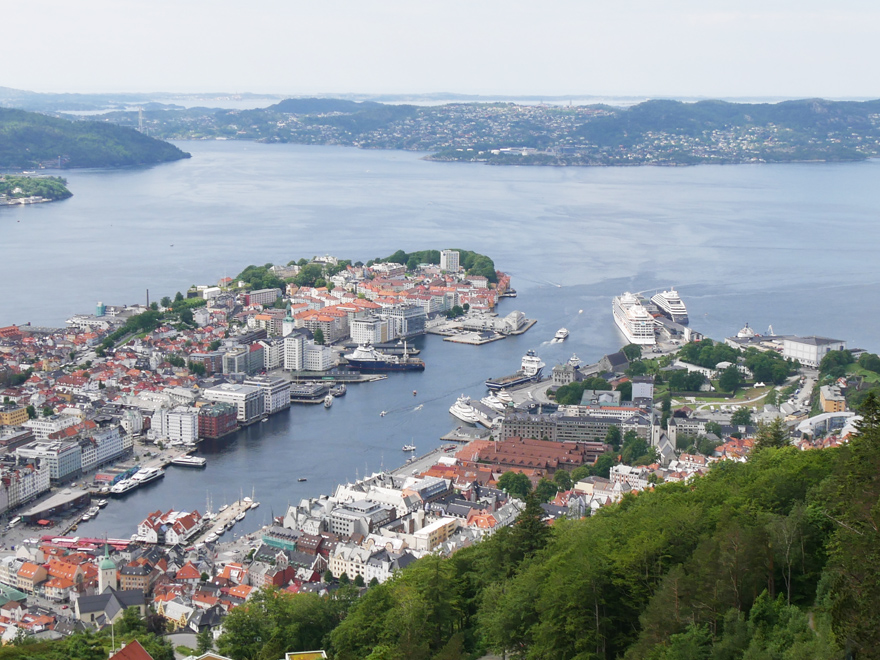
(107, 572)
(288, 325)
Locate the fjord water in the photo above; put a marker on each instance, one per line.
(789, 245)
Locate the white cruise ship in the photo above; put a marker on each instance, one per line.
(669, 302)
(633, 320)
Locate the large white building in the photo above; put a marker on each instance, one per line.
(449, 261)
(62, 457)
(404, 320)
(43, 427)
(369, 330)
(273, 353)
(317, 357)
(276, 392)
(301, 354)
(248, 400)
(181, 424)
(809, 351)
(103, 446)
(294, 349)
(22, 483)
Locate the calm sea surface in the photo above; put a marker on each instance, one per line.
(794, 246)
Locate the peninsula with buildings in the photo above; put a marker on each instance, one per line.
(27, 189)
(115, 397)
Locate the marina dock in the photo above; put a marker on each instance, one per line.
(225, 519)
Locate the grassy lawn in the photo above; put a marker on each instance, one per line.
(856, 370)
(745, 394)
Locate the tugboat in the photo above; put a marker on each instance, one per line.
(338, 390)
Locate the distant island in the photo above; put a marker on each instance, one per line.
(29, 140)
(657, 132)
(31, 190)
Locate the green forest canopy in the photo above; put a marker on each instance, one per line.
(28, 139)
(473, 263)
(49, 187)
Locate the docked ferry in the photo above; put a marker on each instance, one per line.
(189, 461)
(530, 370)
(148, 474)
(365, 357)
(633, 319)
(669, 303)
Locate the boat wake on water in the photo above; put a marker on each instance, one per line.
(444, 396)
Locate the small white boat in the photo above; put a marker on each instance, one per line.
(224, 507)
(419, 407)
(247, 500)
(211, 538)
(93, 511)
(255, 505)
(328, 400)
(86, 517)
(382, 414)
(102, 503)
(240, 517)
(561, 335)
(409, 448)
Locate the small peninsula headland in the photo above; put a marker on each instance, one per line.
(16, 190)
(30, 140)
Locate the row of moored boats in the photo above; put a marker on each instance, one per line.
(247, 504)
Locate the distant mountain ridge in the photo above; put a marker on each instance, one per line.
(315, 106)
(29, 139)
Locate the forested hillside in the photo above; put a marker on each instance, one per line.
(28, 139)
(773, 558)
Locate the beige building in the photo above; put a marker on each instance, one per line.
(13, 415)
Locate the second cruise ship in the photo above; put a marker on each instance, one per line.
(670, 304)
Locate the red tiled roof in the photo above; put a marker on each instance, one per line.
(132, 651)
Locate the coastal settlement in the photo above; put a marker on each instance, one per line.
(79, 400)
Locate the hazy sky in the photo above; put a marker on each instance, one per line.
(742, 48)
